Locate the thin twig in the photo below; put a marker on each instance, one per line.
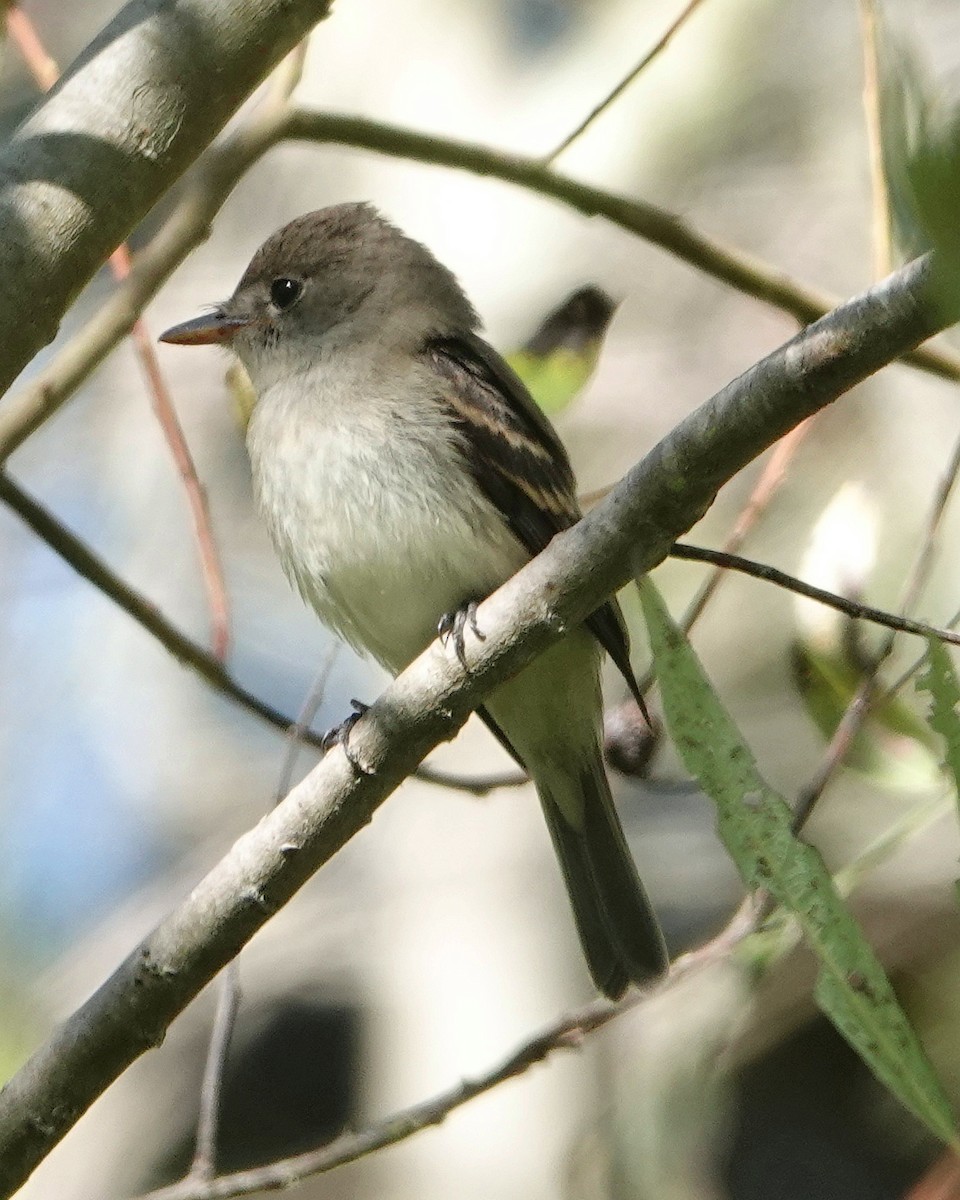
(476, 785)
(836, 752)
(204, 1164)
(624, 83)
(23, 34)
(308, 710)
(46, 72)
(925, 559)
(867, 691)
(218, 171)
(772, 478)
(92, 568)
(161, 400)
(931, 536)
(724, 561)
(565, 1033)
(908, 673)
(882, 246)
(88, 565)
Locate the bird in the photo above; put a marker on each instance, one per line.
(404, 472)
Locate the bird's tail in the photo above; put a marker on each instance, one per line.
(619, 932)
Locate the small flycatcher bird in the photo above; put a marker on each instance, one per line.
(405, 472)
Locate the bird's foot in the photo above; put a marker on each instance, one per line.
(452, 625)
(339, 735)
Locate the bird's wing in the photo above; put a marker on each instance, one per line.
(518, 462)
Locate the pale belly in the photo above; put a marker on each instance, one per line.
(381, 544)
(387, 593)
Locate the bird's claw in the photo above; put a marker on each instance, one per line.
(339, 735)
(452, 625)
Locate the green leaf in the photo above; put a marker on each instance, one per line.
(914, 821)
(559, 359)
(940, 681)
(920, 150)
(555, 364)
(242, 396)
(832, 658)
(755, 825)
(904, 89)
(893, 746)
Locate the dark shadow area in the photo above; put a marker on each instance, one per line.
(288, 1088)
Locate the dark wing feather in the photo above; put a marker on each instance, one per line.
(518, 462)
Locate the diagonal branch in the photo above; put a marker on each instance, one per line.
(46, 72)
(659, 226)
(121, 126)
(627, 534)
(92, 568)
(616, 92)
(189, 653)
(220, 169)
(565, 1033)
(206, 187)
(723, 560)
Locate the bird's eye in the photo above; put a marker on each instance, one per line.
(284, 292)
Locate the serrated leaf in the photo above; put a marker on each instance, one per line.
(940, 681)
(755, 825)
(557, 362)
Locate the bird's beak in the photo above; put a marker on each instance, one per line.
(206, 330)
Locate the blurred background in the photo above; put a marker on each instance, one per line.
(440, 937)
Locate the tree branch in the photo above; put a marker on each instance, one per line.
(92, 568)
(627, 534)
(857, 710)
(218, 172)
(205, 189)
(46, 72)
(565, 1033)
(616, 92)
(189, 653)
(725, 561)
(122, 125)
(659, 226)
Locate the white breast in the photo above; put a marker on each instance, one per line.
(372, 512)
